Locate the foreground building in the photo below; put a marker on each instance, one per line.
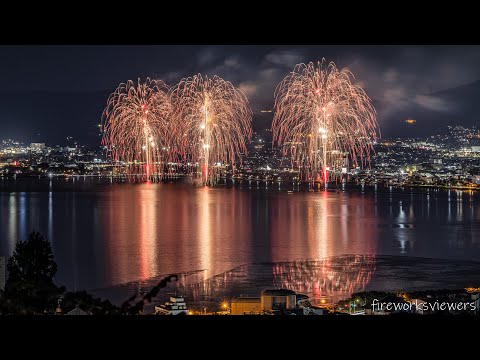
(246, 306)
(176, 306)
(278, 299)
(269, 300)
(273, 301)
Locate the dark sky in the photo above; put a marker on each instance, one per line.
(59, 91)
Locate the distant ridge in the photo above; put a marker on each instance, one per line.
(56, 115)
(462, 109)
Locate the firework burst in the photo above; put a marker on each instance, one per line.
(213, 123)
(322, 120)
(136, 127)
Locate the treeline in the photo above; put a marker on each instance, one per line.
(30, 289)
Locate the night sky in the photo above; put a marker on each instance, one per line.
(51, 92)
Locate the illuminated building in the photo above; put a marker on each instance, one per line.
(278, 299)
(37, 147)
(245, 306)
(175, 306)
(269, 300)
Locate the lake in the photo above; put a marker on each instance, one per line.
(106, 234)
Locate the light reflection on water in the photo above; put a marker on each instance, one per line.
(106, 234)
(332, 279)
(323, 281)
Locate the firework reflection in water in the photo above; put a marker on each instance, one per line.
(330, 279)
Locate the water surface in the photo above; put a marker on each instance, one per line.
(106, 234)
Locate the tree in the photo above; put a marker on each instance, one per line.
(32, 261)
(30, 288)
(31, 268)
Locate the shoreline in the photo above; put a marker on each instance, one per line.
(229, 183)
(360, 273)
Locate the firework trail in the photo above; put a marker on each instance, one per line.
(213, 123)
(136, 129)
(322, 119)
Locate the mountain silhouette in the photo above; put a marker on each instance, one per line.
(56, 115)
(458, 107)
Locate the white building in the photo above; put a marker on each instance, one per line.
(175, 306)
(3, 272)
(37, 147)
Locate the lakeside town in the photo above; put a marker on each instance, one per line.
(464, 301)
(286, 302)
(451, 160)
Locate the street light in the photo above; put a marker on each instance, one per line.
(225, 306)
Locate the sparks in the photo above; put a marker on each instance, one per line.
(319, 107)
(135, 119)
(222, 114)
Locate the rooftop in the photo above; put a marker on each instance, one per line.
(77, 311)
(245, 299)
(278, 292)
